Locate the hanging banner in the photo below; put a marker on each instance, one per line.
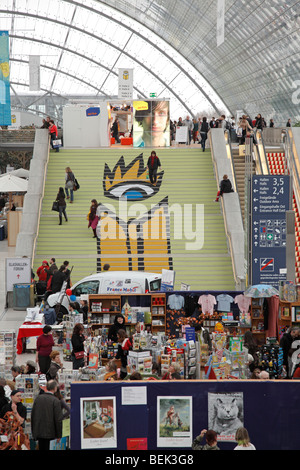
(220, 22)
(5, 110)
(34, 73)
(125, 89)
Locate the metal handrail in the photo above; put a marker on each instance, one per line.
(292, 163)
(260, 153)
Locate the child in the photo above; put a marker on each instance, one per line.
(111, 371)
(211, 441)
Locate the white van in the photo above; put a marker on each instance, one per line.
(110, 283)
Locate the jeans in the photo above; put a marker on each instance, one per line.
(62, 210)
(153, 175)
(71, 193)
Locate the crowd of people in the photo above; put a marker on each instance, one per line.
(198, 128)
(51, 278)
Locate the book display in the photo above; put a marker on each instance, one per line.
(7, 352)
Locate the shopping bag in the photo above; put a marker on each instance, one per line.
(55, 206)
(56, 143)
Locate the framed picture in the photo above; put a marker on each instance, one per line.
(174, 421)
(98, 423)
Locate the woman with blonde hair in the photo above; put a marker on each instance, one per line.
(243, 440)
(69, 183)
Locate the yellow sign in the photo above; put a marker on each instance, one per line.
(140, 105)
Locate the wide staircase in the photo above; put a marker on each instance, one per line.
(196, 246)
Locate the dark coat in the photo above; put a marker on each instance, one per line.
(46, 417)
(113, 330)
(156, 163)
(61, 199)
(57, 281)
(226, 186)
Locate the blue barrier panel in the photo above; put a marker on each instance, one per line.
(269, 410)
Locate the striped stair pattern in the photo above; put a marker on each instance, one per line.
(277, 165)
(188, 182)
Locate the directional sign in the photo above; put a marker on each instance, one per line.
(270, 199)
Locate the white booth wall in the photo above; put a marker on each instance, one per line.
(83, 131)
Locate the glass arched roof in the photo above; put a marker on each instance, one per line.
(82, 44)
(170, 44)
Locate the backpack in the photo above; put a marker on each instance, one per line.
(227, 125)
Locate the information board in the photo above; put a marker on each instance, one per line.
(270, 199)
(18, 271)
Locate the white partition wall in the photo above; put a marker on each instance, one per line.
(86, 126)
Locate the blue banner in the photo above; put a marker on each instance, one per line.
(5, 109)
(93, 111)
(270, 199)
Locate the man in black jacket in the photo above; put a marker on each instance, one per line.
(58, 278)
(46, 417)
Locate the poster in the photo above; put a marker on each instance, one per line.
(151, 123)
(174, 421)
(225, 414)
(5, 109)
(98, 423)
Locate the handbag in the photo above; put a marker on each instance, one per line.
(76, 185)
(56, 143)
(79, 355)
(55, 206)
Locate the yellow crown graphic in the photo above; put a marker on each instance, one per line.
(131, 181)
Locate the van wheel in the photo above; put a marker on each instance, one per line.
(60, 312)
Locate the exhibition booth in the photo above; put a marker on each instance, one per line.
(139, 123)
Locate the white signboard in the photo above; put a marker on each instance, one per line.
(34, 73)
(220, 22)
(18, 271)
(125, 88)
(181, 134)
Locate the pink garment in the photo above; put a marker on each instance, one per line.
(243, 303)
(273, 313)
(94, 222)
(207, 303)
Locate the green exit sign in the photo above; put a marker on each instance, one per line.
(152, 95)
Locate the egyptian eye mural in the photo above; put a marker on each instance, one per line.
(133, 236)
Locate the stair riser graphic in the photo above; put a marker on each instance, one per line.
(188, 180)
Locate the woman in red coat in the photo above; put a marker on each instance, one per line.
(41, 271)
(53, 134)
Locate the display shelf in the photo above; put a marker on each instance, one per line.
(257, 320)
(110, 305)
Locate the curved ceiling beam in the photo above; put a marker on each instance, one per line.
(53, 69)
(162, 51)
(82, 56)
(134, 59)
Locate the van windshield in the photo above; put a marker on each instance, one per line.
(155, 285)
(87, 287)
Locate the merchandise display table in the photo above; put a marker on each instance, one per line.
(26, 330)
